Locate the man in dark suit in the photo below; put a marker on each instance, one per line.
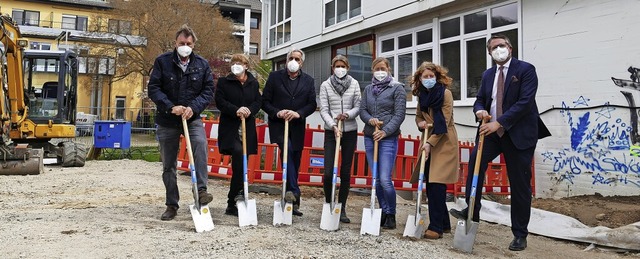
(507, 94)
(290, 95)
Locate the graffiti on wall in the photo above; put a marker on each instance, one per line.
(600, 140)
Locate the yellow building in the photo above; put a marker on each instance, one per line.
(73, 24)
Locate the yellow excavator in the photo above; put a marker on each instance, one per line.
(37, 105)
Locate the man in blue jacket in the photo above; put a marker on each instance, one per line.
(508, 95)
(181, 86)
(289, 94)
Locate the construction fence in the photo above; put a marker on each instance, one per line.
(266, 167)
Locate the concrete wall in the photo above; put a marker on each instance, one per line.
(577, 46)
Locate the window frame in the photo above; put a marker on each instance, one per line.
(76, 22)
(120, 111)
(286, 9)
(335, 10)
(119, 26)
(436, 45)
(23, 19)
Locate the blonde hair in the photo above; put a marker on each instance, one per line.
(381, 59)
(439, 71)
(340, 58)
(242, 58)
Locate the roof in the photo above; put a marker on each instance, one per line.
(52, 33)
(78, 3)
(255, 5)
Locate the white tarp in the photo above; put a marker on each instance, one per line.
(560, 226)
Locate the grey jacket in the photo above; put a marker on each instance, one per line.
(332, 104)
(389, 107)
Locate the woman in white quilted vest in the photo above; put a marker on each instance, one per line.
(339, 101)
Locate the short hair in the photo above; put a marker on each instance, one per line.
(242, 58)
(340, 58)
(439, 71)
(187, 32)
(380, 59)
(499, 36)
(296, 50)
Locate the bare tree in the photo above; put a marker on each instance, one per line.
(156, 22)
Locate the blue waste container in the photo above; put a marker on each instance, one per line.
(112, 134)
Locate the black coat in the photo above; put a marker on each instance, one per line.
(277, 96)
(230, 96)
(169, 86)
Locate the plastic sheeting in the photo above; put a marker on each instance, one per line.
(560, 226)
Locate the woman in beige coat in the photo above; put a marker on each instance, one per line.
(435, 106)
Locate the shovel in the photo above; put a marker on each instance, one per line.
(247, 212)
(200, 214)
(330, 220)
(371, 216)
(416, 223)
(466, 230)
(282, 210)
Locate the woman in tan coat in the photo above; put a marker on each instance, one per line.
(435, 106)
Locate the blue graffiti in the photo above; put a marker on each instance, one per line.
(605, 112)
(581, 101)
(600, 179)
(577, 133)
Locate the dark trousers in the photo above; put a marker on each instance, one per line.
(293, 166)
(519, 172)
(348, 144)
(169, 140)
(237, 177)
(437, 203)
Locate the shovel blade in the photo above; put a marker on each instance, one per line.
(330, 220)
(280, 216)
(247, 213)
(415, 227)
(201, 218)
(463, 240)
(370, 223)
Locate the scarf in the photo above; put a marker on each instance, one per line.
(340, 85)
(434, 99)
(379, 86)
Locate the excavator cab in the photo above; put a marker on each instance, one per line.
(50, 85)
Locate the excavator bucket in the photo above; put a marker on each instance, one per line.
(23, 162)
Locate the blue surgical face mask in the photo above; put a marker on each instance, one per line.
(429, 82)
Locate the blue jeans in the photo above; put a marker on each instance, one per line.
(169, 139)
(387, 150)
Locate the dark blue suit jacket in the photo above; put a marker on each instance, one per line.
(520, 117)
(277, 96)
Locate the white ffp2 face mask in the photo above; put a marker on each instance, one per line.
(340, 72)
(380, 75)
(237, 69)
(500, 54)
(184, 51)
(293, 66)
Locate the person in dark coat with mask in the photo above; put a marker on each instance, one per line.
(181, 86)
(290, 95)
(237, 96)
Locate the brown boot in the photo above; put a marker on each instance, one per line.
(169, 214)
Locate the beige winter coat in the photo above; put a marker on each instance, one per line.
(445, 159)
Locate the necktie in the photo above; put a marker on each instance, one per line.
(499, 96)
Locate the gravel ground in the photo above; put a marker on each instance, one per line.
(111, 209)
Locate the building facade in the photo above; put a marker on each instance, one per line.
(246, 16)
(585, 53)
(71, 24)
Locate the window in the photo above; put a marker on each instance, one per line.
(25, 17)
(72, 22)
(119, 26)
(253, 48)
(458, 43)
(39, 45)
(279, 22)
(359, 52)
(337, 11)
(120, 107)
(97, 65)
(253, 22)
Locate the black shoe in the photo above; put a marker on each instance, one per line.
(390, 223)
(296, 211)
(518, 244)
(383, 219)
(459, 214)
(343, 217)
(205, 197)
(231, 210)
(170, 213)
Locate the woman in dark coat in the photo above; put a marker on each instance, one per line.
(237, 96)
